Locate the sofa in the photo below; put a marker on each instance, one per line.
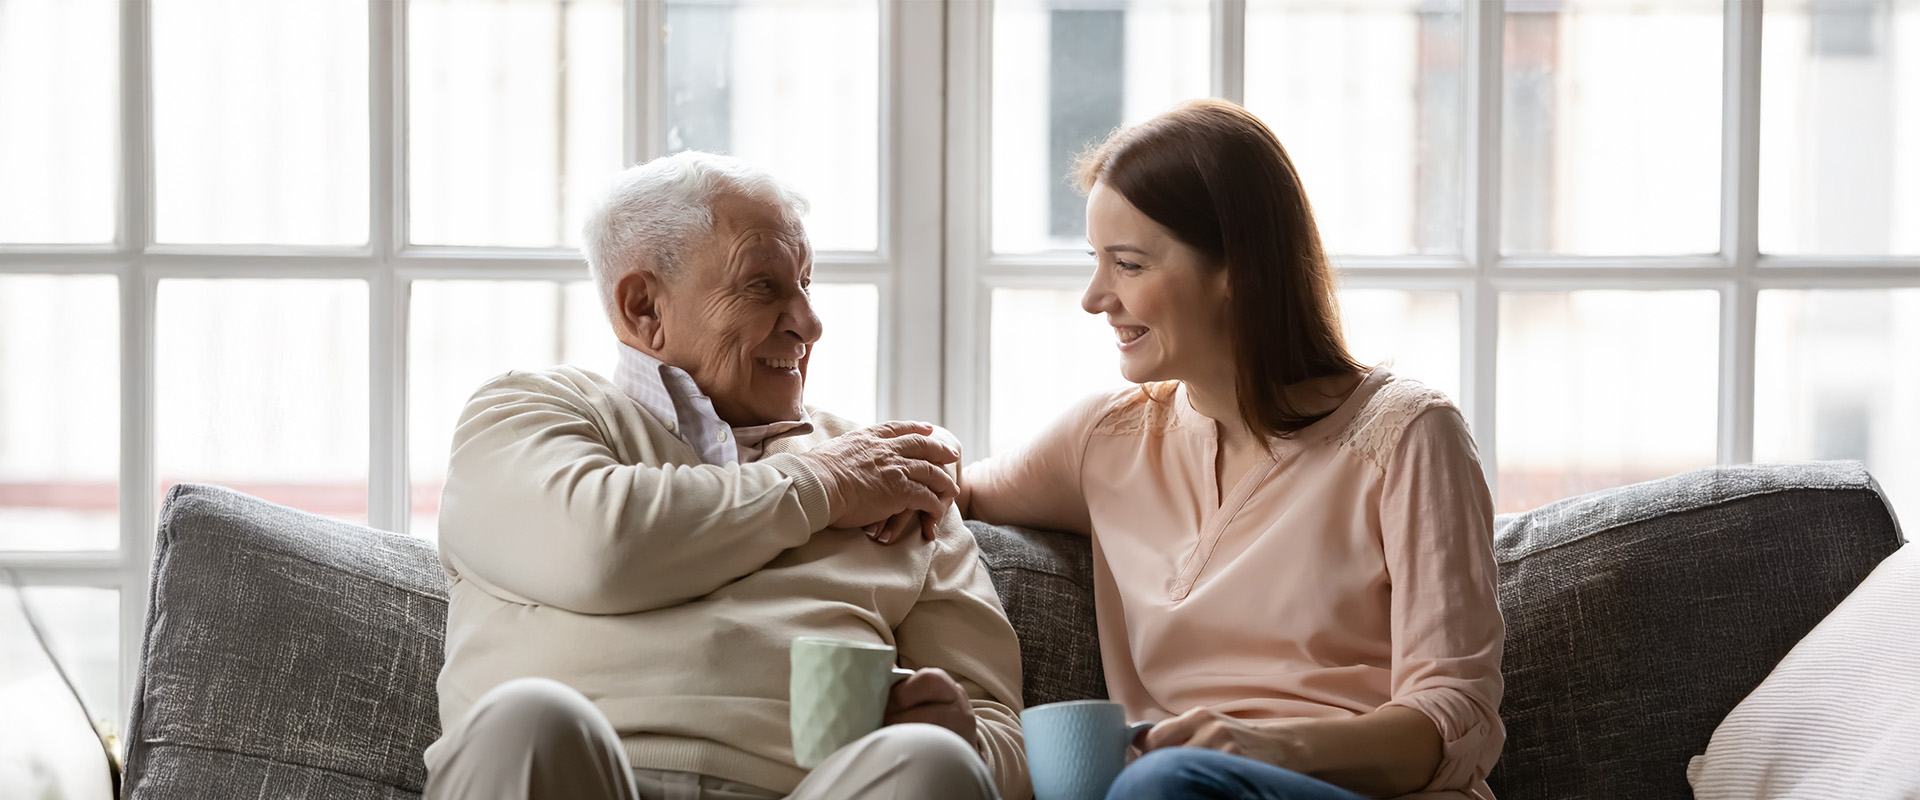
(290, 655)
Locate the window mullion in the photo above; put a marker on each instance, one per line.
(137, 495)
(1739, 227)
(1230, 50)
(645, 56)
(387, 488)
(1479, 342)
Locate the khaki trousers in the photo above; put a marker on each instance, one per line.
(537, 739)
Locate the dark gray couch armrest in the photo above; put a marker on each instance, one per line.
(1638, 617)
(284, 652)
(1045, 581)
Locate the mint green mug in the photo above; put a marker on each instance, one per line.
(838, 693)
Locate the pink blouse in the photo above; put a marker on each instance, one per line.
(1350, 570)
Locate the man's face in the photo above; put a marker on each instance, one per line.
(737, 316)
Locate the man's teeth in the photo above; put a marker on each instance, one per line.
(1129, 334)
(781, 363)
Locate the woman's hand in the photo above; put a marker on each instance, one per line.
(1276, 742)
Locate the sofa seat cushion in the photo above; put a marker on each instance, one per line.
(285, 653)
(1045, 581)
(1638, 617)
(1840, 716)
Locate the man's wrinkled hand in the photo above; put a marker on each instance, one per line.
(933, 697)
(905, 523)
(879, 471)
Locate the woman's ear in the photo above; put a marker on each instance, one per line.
(637, 303)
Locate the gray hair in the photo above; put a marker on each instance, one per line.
(655, 212)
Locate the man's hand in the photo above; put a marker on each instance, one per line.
(904, 523)
(934, 697)
(1272, 742)
(881, 470)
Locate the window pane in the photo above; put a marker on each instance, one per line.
(82, 626)
(1611, 127)
(1415, 334)
(1840, 127)
(1046, 354)
(1603, 388)
(1065, 73)
(793, 85)
(843, 372)
(261, 386)
(1835, 380)
(1369, 100)
(59, 451)
(260, 122)
(514, 118)
(460, 334)
(48, 748)
(58, 65)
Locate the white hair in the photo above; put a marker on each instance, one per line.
(655, 212)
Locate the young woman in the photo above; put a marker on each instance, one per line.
(1292, 552)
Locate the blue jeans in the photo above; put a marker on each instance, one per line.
(1192, 772)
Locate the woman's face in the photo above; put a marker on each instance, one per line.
(1167, 305)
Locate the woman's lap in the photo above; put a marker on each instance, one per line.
(1192, 772)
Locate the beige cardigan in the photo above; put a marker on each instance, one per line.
(583, 542)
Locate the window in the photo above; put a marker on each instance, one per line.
(276, 246)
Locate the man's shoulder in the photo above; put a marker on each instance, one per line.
(565, 382)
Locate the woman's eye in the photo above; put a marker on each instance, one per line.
(1126, 266)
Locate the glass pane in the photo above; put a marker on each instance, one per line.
(260, 122)
(59, 451)
(1603, 388)
(59, 61)
(1045, 354)
(1835, 380)
(514, 118)
(587, 342)
(843, 373)
(1369, 100)
(261, 386)
(1065, 73)
(82, 626)
(460, 334)
(793, 85)
(1415, 334)
(1840, 127)
(1611, 127)
(47, 747)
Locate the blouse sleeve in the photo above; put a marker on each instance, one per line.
(1038, 485)
(1437, 532)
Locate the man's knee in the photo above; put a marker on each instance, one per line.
(530, 737)
(539, 708)
(934, 759)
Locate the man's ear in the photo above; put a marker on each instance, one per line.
(637, 302)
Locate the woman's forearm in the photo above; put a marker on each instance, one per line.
(1385, 753)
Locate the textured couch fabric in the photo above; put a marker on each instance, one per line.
(289, 655)
(286, 655)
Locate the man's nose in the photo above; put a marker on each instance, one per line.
(800, 320)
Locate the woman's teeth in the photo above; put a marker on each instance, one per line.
(1129, 334)
(781, 363)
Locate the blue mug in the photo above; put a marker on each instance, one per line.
(1075, 749)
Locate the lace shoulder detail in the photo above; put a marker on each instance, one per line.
(1375, 430)
(1148, 406)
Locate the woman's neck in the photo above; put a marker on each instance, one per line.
(1219, 401)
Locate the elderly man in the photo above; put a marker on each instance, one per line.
(631, 559)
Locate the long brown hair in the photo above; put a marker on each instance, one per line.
(1217, 178)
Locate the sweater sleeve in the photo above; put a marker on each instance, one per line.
(959, 626)
(538, 509)
(1038, 485)
(1437, 532)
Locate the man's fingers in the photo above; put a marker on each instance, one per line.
(935, 479)
(900, 427)
(928, 686)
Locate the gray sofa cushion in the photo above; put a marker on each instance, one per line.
(286, 655)
(1045, 581)
(1638, 617)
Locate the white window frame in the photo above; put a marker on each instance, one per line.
(904, 266)
(1478, 276)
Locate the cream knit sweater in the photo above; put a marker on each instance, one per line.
(583, 542)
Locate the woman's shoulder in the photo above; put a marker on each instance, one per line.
(1132, 410)
(1384, 416)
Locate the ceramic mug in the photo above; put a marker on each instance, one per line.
(838, 693)
(1075, 749)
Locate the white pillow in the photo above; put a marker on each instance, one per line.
(1840, 715)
